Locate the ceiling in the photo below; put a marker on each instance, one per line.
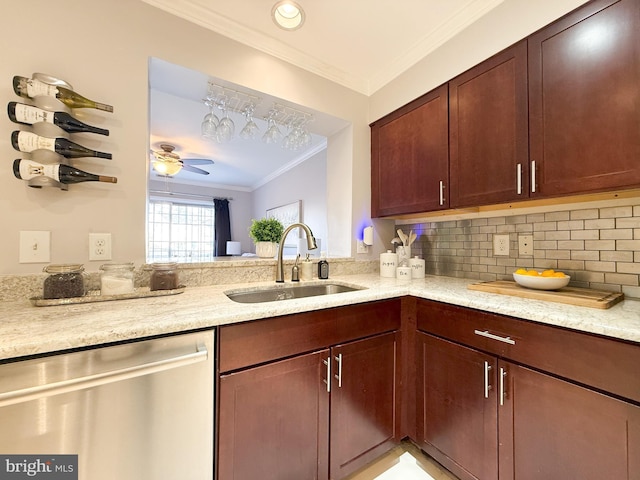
(384, 38)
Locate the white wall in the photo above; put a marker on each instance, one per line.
(306, 182)
(106, 59)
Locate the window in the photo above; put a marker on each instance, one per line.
(180, 232)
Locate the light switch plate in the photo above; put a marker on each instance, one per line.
(525, 244)
(35, 247)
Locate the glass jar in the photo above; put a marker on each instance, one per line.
(116, 279)
(164, 276)
(64, 281)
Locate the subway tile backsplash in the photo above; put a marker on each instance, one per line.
(598, 247)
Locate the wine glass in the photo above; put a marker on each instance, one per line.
(273, 134)
(226, 127)
(250, 130)
(210, 124)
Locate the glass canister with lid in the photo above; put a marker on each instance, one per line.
(116, 279)
(164, 276)
(63, 281)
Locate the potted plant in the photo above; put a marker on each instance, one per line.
(266, 233)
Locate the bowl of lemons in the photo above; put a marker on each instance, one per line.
(545, 280)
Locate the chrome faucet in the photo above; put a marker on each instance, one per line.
(311, 245)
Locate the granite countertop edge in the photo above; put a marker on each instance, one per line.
(26, 330)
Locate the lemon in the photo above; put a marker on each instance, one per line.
(548, 273)
(521, 271)
(559, 274)
(532, 273)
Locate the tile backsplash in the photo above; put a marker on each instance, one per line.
(598, 247)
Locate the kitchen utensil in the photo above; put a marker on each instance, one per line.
(412, 237)
(402, 236)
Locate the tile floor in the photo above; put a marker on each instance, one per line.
(405, 462)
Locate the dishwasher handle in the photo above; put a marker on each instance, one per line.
(95, 380)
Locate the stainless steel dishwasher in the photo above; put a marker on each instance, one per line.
(141, 410)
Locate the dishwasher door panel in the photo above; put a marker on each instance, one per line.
(141, 410)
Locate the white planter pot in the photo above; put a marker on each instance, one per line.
(266, 249)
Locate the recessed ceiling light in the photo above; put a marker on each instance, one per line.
(288, 15)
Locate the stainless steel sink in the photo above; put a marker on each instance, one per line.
(288, 292)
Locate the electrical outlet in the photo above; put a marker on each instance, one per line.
(99, 246)
(35, 247)
(525, 244)
(501, 244)
(362, 247)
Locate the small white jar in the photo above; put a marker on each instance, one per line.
(417, 267)
(388, 264)
(116, 279)
(403, 274)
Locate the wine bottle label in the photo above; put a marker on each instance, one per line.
(30, 169)
(31, 115)
(36, 88)
(28, 142)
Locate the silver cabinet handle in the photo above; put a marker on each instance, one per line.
(485, 333)
(339, 375)
(501, 380)
(441, 192)
(327, 362)
(97, 379)
(519, 178)
(533, 176)
(487, 385)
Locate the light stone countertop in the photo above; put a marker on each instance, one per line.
(28, 330)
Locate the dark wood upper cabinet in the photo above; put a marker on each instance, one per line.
(488, 131)
(584, 81)
(410, 157)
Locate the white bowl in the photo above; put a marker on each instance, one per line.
(541, 283)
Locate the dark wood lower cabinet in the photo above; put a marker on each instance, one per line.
(486, 417)
(551, 428)
(457, 416)
(319, 415)
(363, 406)
(274, 421)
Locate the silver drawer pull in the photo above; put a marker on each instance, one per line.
(501, 378)
(487, 384)
(441, 192)
(327, 362)
(519, 179)
(485, 333)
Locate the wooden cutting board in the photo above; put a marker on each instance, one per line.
(583, 297)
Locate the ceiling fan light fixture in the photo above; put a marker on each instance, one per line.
(167, 167)
(288, 15)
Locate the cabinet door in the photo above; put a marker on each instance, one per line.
(363, 402)
(584, 102)
(550, 428)
(489, 149)
(273, 421)
(457, 412)
(410, 157)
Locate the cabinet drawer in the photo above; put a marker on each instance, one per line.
(251, 343)
(606, 364)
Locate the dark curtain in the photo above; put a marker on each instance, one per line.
(222, 226)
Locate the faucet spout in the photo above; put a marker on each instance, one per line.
(311, 245)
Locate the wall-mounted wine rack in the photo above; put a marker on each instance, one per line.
(45, 99)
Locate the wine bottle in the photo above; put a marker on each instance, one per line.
(28, 169)
(28, 142)
(29, 88)
(28, 115)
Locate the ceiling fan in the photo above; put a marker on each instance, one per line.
(169, 163)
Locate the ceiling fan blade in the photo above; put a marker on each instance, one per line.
(189, 168)
(197, 161)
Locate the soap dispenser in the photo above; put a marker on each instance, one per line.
(323, 268)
